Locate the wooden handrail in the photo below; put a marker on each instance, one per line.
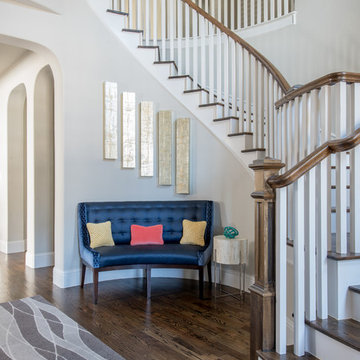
(313, 159)
(272, 69)
(329, 79)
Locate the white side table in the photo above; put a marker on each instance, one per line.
(230, 252)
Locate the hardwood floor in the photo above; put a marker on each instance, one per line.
(176, 324)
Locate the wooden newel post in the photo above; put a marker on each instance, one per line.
(262, 335)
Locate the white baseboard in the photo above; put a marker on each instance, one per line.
(12, 247)
(69, 278)
(36, 261)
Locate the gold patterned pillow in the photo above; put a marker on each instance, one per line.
(193, 232)
(100, 234)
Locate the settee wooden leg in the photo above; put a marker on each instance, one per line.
(148, 282)
(209, 273)
(83, 270)
(96, 284)
(201, 283)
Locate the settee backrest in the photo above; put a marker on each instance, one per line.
(146, 213)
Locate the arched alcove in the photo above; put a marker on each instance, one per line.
(44, 167)
(16, 132)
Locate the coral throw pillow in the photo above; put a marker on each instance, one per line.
(193, 232)
(100, 234)
(146, 235)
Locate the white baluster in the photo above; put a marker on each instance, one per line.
(279, 13)
(179, 36)
(163, 30)
(322, 243)
(219, 68)
(138, 14)
(211, 63)
(258, 12)
(171, 28)
(355, 177)
(226, 13)
(226, 75)
(195, 49)
(219, 11)
(187, 37)
(310, 248)
(131, 14)
(232, 15)
(341, 208)
(202, 52)
(266, 10)
(284, 135)
(296, 140)
(122, 5)
(276, 123)
(147, 23)
(252, 16)
(261, 112)
(246, 15)
(233, 78)
(281, 261)
(248, 93)
(299, 271)
(240, 84)
(255, 102)
(272, 9)
(271, 107)
(286, 7)
(212, 8)
(207, 6)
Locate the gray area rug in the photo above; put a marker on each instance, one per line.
(32, 328)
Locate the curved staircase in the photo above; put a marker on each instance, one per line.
(249, 106)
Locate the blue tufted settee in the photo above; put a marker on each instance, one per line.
(146, 213)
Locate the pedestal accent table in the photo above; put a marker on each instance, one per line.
(230, 252)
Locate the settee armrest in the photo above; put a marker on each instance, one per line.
(205, 255)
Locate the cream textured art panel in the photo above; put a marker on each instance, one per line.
(165, 147)
(110, 120)
(146, 138)
(182, 182)
(128, 131)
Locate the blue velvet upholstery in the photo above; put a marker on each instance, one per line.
(123, 214)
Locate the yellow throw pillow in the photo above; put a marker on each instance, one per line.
(100, 234)
(193, 232)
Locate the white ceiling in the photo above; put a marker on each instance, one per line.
(10, 55)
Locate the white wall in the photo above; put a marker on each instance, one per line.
(88, 55)
(44, 163)
(17, 170)
(324, 39)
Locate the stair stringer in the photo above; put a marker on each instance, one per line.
(175, 87)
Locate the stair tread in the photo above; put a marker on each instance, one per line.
(193, 91)
(227, 118)
(345, 331)
(117, 12)
(355, 288)
(167, 62)
(272, 355)
(211, 104)
(240, 134)
(133, 30)
(180, 77)
(252, 150)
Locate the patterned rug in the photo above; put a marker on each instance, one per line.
(32, 328)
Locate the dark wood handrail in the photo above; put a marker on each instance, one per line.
(271, 68)
(313, 159)
(329, 79)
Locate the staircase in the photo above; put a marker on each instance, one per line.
(249, 106)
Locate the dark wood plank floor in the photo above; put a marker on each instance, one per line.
(176, 324)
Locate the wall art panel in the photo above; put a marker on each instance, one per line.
(165, 147)
(146, 138)
(182, 182)
(128, 131)
(110, 120)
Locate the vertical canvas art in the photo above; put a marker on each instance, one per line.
(146, 138)
(128, 131)
(110, 121)
(165, 147)
(182, 183)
